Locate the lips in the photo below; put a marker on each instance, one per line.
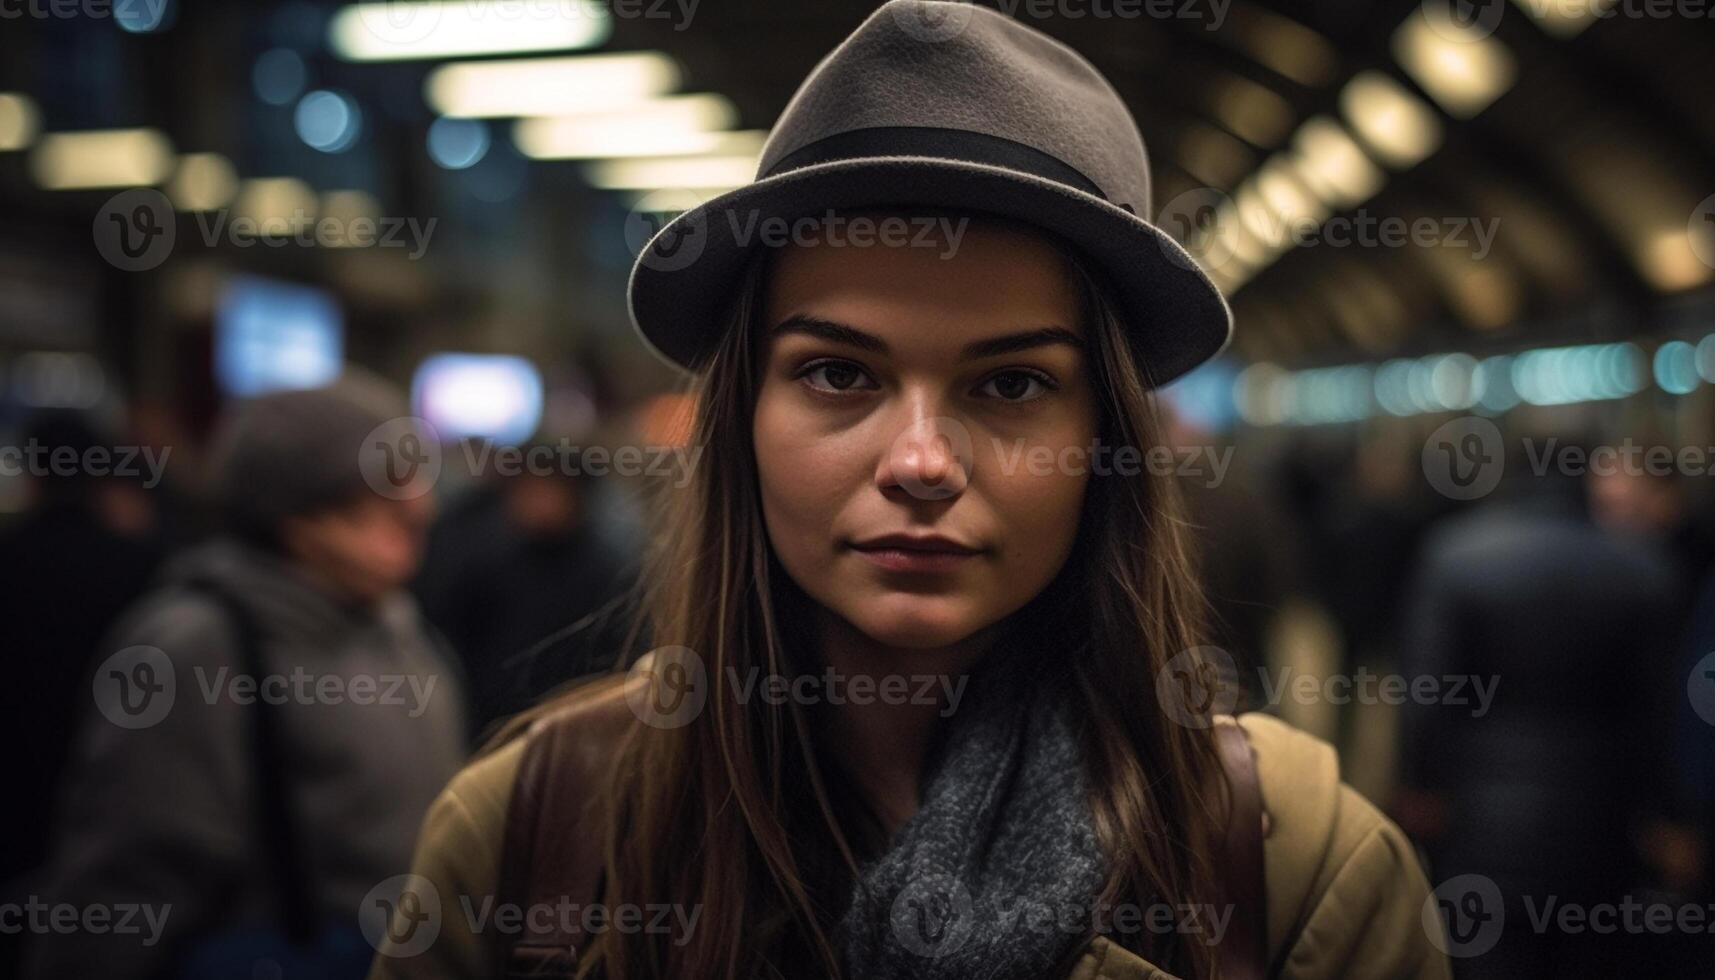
(916, 553)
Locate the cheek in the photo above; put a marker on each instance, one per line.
(1040, 508)
(806, 475)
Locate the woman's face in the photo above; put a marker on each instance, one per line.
(914, 405)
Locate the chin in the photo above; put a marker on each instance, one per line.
(914, 622)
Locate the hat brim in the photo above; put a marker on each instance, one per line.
(677, 295)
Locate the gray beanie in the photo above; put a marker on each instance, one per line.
(297, 452)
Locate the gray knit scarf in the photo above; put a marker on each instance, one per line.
(994, 876)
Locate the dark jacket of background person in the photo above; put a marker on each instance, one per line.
(64, 579)
(1693, 791)
(166, 814)
(1575, 625)
(507, 593)
(82, 552)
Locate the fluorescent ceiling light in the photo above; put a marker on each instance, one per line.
(102, 158)
(280, 205)
(615, 142)
(549, 86)
(1285, 195)
(1256, 113)
(1282, 44)
(682, 126)
(1332, 164)
(453, 28)
(1463, 72)
(699, 172)
(1669, 260)
(18, 121)
(1566, 18)
(1397, 125)
(203, 182)
(1259, 220)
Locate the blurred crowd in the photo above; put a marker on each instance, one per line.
(1559, 617)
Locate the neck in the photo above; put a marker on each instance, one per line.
(883, 741)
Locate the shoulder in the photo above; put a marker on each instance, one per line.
(467, 823)
(1344, 888)
(461, 849)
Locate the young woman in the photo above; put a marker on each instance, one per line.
(921, 614)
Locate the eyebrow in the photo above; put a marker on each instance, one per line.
(1012, 343)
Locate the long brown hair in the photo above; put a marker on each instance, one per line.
(737, 814)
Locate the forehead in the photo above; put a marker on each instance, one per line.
(940, 277)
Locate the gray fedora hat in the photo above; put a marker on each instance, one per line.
(941, 103)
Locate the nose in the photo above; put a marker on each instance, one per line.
(929, 459)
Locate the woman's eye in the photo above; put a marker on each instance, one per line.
(1016, 386)
(834, 376)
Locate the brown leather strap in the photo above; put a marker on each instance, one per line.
(552, 855)
(1244, 950)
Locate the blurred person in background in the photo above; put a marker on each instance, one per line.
(254, 818)
(82, 551)
(522, 580)
(1573, 625)
(1648, 502)
(1374, 520)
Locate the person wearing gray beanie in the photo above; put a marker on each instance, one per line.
(273, 720)
(290, 477)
